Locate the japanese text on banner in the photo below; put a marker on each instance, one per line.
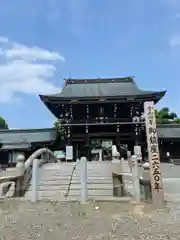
(153, 143)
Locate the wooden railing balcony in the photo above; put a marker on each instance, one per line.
(102, 120)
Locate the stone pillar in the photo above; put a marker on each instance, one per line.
(135, 179)
(138, 153)
(35, 180)
(128, 154)
(147, 182)
(84, 189)
(118, 186)
(129, 160)
(20, 166)
(122, 165)
(153, 154)
(100, 156)
(114, 152)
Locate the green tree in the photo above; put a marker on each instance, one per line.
(3, 123)
(164, 116)
(61, 131)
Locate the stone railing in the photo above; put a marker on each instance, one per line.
(136, 183)
(49, 156)
(8, 182)
(15, 181)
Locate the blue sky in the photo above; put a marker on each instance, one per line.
(44, 41)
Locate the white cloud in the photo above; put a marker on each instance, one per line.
(25, 70)
(175, 41)
(3, 39)
(32, 54)
(177, 16)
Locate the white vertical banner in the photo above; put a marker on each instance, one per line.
(153, 154)
(69, 153)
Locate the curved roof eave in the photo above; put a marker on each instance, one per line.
(155, 94)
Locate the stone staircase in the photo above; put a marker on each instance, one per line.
(54, 179)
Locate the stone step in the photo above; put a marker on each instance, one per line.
(78, 198)
(95, 178)
(46, 178)
(94, 198)
(103, 192)
(73, 187)
(75, 174)
(78, 165)
(79, 169)
(70, 171)
(108, 170)
(54, 180)
(74, 181)
(61, 197)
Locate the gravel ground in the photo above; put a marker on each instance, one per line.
(52, 220)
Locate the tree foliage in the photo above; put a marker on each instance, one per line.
(61, 132)
(164, 116)
(3, 123)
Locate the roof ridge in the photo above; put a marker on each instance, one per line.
(25, 130)
(99, 80)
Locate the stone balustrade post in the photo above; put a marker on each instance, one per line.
(122, 165)
(35, 174)
(128, 154)
(147, 181)
(135, 179)
(129, 160)
(84, 189)
(20, 166)
(100, 156)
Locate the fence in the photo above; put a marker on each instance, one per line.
(121, 180)
(15, 181)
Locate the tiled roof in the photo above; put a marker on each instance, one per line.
(26, 136)
(95, 88)
(166, 131)
(13, 139)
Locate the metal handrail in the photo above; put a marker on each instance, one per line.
(70, 181)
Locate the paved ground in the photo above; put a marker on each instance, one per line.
(170, 170)
(52, 220)
(171, 181)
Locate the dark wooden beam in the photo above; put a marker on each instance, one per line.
(108, 134)
(94, 101)
(101, 124)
